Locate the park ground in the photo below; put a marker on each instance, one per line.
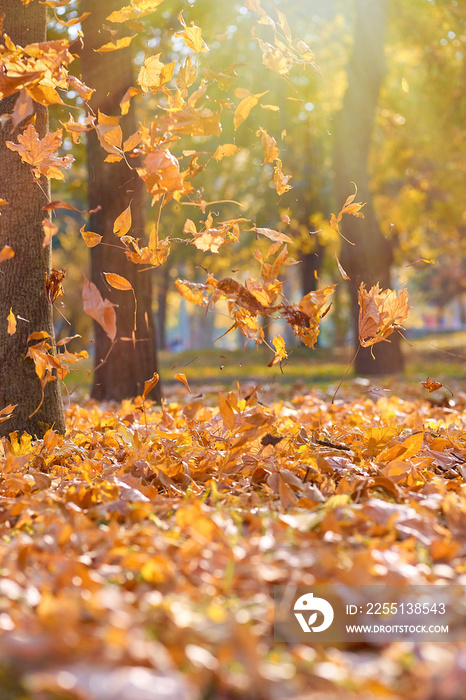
(139, 553)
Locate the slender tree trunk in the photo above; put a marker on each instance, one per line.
(23, 277)
(113, 186)
(370, 259)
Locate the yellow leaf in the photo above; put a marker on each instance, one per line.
(280, 180)
(154, 74)
(227, 149)
(192, 36)
(123, 222)
(117, 281)
(137, 8)
(109, 133)
(280, 351)
(245, 106)
(122, 43)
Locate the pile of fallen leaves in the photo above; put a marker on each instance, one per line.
(139, 552)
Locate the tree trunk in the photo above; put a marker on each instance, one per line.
(370, 259)
(113, 186)
(23, 277)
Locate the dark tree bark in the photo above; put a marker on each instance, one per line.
(23, 277)
(370, 259)
(113, 186)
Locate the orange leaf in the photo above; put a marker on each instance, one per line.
(380, 313)
(342, 272)
(122, 223)
(226, 411)
(181, 378)
(11, 322)
(101, 310)
(149, 385)
(5, 413)
(6, 253)
(40, 153)
(117, 281)
(91, 239)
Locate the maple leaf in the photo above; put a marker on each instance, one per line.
(40, 154)
(380, 313)
(431, 385)
(161, 173)
(154, 74)
(192, 36)
(280, 351)
(191, 291)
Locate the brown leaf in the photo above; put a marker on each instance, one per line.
(40, 154)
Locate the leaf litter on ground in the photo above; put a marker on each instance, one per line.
(139, 551)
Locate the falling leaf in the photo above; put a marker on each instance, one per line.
(50, 229)
(226, 411)
(91, 239)
(5, 413)
(192, 36)
(191, 291)
(154, 74)
(181, 378)
(349, 207)
(247, 103)
(273, 235)
(431, 385)
(149, 385)
(280, 180)
(136, 9)
(117, 281)
(226, 149)
(122, 223)
(6, 253)
(53, 285)
(101, 310)
(122, 43)
(269, 145)
(280, 351)
(41, 153)
(380, 313)
(109, 133)
(341, 270)
(11, 330)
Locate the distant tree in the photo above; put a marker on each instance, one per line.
(370, 258)
(22, 278)
(112, 186)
